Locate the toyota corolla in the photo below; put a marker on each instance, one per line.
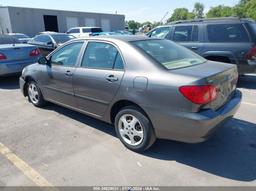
(147, 88)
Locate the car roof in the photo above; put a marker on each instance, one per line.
(124, 38)
(84, 28)
(222, 20)
(15, 34)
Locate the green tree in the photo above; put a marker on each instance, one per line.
(181, 14)
(220, 11)
(133, 25)
(250, 9)
(198, 10)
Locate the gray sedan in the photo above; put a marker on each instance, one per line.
(15, 56)
(148, 88)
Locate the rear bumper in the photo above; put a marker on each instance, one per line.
(193, 127)
(7, 69)
(246, 68)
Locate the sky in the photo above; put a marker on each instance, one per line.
(139, 10)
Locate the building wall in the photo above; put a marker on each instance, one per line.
(30, 21)
(5, 23)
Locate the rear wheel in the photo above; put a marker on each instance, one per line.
(34, 94)
(134, 129)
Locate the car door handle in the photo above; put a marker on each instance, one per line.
(69, 73)
(112, 78)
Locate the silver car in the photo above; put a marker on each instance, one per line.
(15, 56)
(148, 88)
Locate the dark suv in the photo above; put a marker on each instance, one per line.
(230, 40)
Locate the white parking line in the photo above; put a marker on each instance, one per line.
(248, 103)
(26, 169)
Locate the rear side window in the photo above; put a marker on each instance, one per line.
(227, 33)
(99, 55)
(183, 34)
(85, 30)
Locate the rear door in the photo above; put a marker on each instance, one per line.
(188, 36)
(57, 79)
(97, 80)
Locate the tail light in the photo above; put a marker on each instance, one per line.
(2, 57)
(251, 55)
(199, 94)
(35, 52)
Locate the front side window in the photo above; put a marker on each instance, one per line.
(100, 55)
(67, 56)
(183, 34)
(161, 32)
(96, 30)
(168, 54)
(227, 33)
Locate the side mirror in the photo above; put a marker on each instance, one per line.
(43, 61)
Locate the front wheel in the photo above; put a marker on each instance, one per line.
(34, 94)
(134, 129)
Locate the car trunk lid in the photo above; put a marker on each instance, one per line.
(223, 76)
(16, 52)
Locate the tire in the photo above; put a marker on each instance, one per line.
(134, 129)
(34, 94)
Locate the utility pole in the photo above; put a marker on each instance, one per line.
(164, 16)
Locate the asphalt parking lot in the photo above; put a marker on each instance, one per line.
(59, 147)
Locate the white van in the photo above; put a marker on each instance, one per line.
(84, 31)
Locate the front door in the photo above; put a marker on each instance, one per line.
(57, 77)
(98, 79)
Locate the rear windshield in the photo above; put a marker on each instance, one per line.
(227, 33)
(169, 54)
(62, 38)
(4, 39)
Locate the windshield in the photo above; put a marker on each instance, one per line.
(4, 39)
(62, 38)
(169, 54)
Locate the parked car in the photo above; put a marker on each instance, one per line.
(123, 32)
(229, 40)
(148, 88)
(21, 37)
(47, 32)
(14, 56)
(49, 42)
(84, 31)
